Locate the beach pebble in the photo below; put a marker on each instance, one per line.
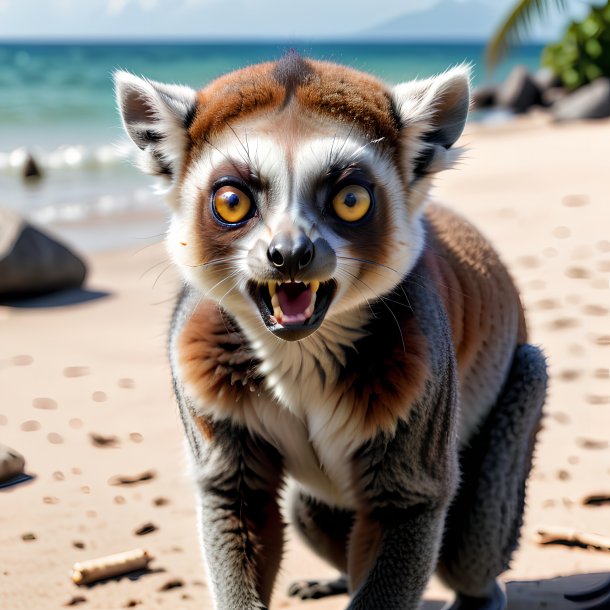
(12, 463)
(99, 440)
(32, 263)
(147, 528)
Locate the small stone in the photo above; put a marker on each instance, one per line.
(99, 440)
(12, 463)
(31, 172)
(147, 528)
(126, 383)
(78, 544)
(28, 536)
(176, 583)
(99, 396)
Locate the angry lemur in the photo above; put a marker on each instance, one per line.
(336, 331)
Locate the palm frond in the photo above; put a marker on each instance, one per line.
(517, 23)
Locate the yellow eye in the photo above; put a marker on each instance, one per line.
(231, 205)
(352, 203)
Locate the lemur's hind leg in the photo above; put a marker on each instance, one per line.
(483, 523)
(325, 530)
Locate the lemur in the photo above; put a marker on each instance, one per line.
(339, 344)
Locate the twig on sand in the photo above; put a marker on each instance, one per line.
(571, 537)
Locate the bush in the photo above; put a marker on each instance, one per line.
(584, 53)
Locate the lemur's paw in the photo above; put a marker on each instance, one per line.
(316, 589)
(495, 601)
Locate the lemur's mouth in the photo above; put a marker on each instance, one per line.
(293, 310)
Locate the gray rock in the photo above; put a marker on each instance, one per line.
(33, 263)
(31, 171)
(11, 463)
(546, 79)
(589, 102)
(519, 91)
(484, 97)
(551, 96)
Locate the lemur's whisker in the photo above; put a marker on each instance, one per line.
(227, 259)
(144, 273)
(169, 265)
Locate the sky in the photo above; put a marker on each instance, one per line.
(232, 20)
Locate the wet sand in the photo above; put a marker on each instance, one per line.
(86, 395)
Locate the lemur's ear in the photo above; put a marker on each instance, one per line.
(433, 112)
(156, 117)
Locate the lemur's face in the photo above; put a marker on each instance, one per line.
(297, 185)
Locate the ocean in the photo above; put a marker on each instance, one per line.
(57, 103)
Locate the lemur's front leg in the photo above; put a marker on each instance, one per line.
(238, 477)
(407, 482)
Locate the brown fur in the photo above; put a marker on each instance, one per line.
(216, 361)
(321, 88)
(474, 284)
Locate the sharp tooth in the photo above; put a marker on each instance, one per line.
(272, 286)
(314, 286)
(277, 312)
(275, 301)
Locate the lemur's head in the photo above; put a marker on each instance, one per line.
(296, 186)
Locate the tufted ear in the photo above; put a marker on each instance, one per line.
(433, 112)
(156, 117)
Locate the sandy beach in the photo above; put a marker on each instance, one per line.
(86, 395)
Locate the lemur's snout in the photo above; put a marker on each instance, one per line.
(291, 254)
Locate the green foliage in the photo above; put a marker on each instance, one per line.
(584, 53)
(515, 25)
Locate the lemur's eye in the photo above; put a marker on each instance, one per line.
(352, 203)
(231, 205)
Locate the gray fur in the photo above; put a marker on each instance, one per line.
(482, 528)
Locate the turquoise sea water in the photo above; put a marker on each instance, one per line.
(56, 100)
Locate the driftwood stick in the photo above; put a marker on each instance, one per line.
(86, 572)
(565, 535)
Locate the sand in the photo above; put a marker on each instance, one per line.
(86, 396)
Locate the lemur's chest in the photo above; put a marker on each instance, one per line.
(317, 400)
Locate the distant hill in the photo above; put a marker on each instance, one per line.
(447, 20)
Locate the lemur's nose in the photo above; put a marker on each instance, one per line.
(291, 254)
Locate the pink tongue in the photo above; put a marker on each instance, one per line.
(294, 298)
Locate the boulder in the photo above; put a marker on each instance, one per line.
(32, 263)
(519, 91)
(551, 96)
(484, 97)
(589, 102)
(546, 79)
(12, 463)
(31, 172)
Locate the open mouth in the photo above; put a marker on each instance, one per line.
(293, 310)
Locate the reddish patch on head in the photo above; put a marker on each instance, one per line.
(336, 92)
